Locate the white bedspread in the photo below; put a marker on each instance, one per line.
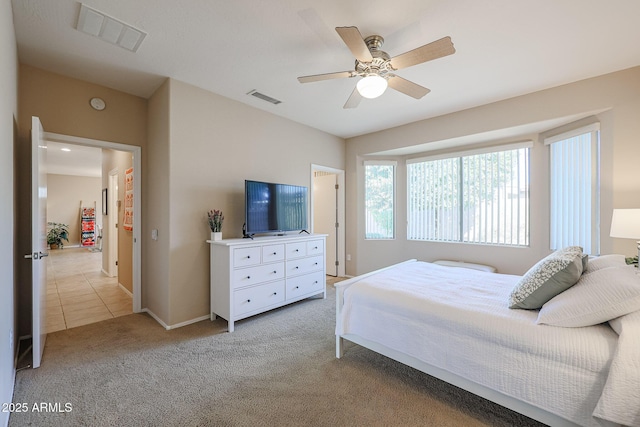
(458, 320)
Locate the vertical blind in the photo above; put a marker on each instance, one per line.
(379, 183)
(476, 198)
(574, 182)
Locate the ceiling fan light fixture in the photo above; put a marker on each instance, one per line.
(372, 86)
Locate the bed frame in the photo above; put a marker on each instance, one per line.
(502, 399)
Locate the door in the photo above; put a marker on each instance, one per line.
(38, 240)
(113, 213)
(325, 209)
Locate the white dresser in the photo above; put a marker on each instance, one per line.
(251, 276)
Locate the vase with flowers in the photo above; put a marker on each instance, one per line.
(215, 224)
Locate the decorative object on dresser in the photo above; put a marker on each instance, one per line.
(215, 224)
(249, 277)
(625, 224)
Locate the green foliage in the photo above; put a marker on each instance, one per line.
(57, 232)
(379, 187)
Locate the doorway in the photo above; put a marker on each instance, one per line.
(135, 152)
(327, 214)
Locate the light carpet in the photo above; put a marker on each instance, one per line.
(276, 369)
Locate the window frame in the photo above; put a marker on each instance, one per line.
(394, 165)
(593, 129)
(459, 155)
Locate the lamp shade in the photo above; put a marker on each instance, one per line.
(625, 223)
(372, 86)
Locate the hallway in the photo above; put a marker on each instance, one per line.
(79, 293)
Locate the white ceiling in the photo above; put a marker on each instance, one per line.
(71, 159)
(504, 48)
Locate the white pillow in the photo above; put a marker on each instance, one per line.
(605, 261)
(598, 296)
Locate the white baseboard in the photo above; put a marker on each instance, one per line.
(177, 325)
(125, 289)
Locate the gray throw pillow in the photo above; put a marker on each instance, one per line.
(549, 277)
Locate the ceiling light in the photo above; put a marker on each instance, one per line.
(111, 30)
(372, 86)
(65, 149)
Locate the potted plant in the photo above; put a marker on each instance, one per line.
(56, 234)
(215, 223)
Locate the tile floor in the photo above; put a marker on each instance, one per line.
(79, 293)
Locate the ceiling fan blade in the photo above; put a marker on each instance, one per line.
(428, 52)
(408, 88)
(328, 76)
(354, 41)
(354, 99)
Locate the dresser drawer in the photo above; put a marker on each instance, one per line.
(304, 265)
(258, 297)
(272, 253)
(306, 284)
(244, 257)
(260, 273)
(296, 250)
(315, 247)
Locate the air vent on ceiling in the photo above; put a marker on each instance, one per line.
(111, 30)
(264, 97)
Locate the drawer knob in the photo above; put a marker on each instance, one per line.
(315, 247)
(248, 256)
(297, 250)
(296, 267)
(248, 277)
(297, 287)
(315, 281)
(275, 293)
(275, 272)
(248, 300)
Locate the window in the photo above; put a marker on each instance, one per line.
(574, 188)
(476, 197)
(379, 190)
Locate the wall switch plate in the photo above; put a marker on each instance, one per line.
(154, 234)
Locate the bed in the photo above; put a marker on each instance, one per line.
(455, 324)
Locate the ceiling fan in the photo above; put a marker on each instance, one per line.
(376, 66)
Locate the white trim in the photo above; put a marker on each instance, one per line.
(380, 162)
(136, 152)
(593, 127)
(125, 289)
(472, 152)
(177, 325)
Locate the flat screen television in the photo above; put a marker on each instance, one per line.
(274, 208)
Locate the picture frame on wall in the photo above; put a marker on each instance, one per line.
(104, 201)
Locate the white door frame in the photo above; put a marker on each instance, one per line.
(112, 221)
(341, 214)
(137, 193)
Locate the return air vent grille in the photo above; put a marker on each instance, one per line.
(109, 29)
(264, 97)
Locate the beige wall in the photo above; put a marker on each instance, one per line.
(214, 145)
(120, 161)
(8, 136)
(62, 103)
(155, 205)
(64, 193)
(613, 98)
